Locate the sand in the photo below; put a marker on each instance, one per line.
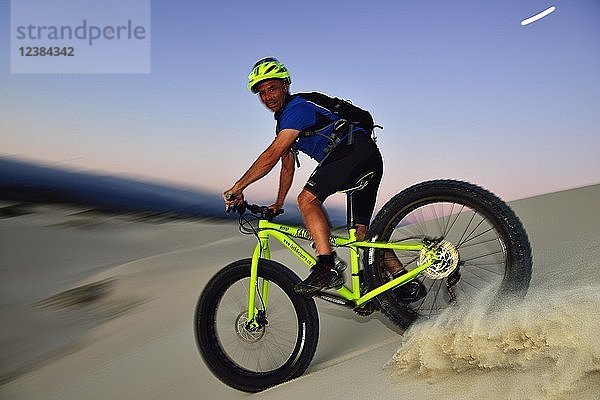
(134, 340)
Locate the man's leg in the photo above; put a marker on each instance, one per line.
(407, 293)
(390, 260)
(361, 232)
(315, 220)
(324, 275)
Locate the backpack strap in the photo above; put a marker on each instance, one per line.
(342, 128)
(295, 155)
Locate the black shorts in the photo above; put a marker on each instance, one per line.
(344, 165)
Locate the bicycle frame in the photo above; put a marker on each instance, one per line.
(285, 234)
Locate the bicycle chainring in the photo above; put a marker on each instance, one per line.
(366, 309)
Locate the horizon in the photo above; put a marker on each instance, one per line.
(208, 191)
(29, 183)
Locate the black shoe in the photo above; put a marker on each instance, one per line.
(320, 278)
(410, 291)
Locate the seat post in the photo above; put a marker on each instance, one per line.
(349, 210)
(360, 184)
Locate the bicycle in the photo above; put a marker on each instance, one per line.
(253, 331)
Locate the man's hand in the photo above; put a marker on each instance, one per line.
(233, 197)
(275, 208)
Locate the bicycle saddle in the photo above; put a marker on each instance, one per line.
(359, 183)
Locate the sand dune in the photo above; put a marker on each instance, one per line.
(143, 347)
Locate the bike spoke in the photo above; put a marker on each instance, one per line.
(474, 237)
(273, 343)
(422, 301)
(483, 256)
(437, 292)
(458, 214)
(463, 246)
(470, 284)
(237, 302)
(437, 217)
(469, 236)
(474, 274)
(466, 228)
(422, 225)
(480, 266)
(461, 287)
(267, 348)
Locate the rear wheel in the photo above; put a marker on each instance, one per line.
(253, 358)
(479, 241)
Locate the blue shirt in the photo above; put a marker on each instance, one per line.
(301, 114)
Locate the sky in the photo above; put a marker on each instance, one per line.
(462, 89)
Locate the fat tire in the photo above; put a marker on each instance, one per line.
(517, 272)
(209, 346)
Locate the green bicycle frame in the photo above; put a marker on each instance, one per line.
(285, 234)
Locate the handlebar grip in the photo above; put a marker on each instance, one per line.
(263, 212)
(239, 208)
(269, 214)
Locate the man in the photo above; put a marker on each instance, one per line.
(339, 166)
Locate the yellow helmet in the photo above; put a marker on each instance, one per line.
(267, 68)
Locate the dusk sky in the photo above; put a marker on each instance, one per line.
(462, 88)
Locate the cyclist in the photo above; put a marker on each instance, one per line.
(339, 166)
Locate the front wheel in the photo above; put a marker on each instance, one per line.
(254, 358)
(479, 241)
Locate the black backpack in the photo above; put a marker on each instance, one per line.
(343, 108)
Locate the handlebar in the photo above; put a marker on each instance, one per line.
(263, 212)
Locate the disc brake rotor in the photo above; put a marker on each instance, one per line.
(446, 260)
(248, 336)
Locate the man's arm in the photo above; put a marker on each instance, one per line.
(263, 164)
(286, 177)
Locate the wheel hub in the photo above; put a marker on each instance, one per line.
(245, 334)
(446, 259)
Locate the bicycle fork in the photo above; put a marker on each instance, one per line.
(262, 248)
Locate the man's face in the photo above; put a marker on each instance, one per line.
(273, 93)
